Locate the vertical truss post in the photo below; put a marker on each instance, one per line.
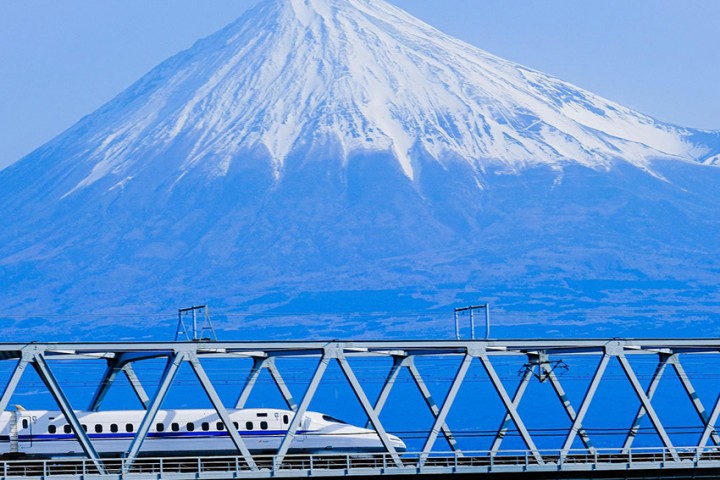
(650, 393)
(415, 373)
(50, 381)
(500, 435)
(168, 376)
(300, 412)
(692, 394)
(648, 406)
(220, 409)
(589, 395)
(510, 407)
(365, 403)
(566, 404)
(445, 409)
(14, 380)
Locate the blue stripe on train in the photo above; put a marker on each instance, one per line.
(175, 435)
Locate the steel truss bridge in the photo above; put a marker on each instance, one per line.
(537, 356)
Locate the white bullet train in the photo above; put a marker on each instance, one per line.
(46, 434)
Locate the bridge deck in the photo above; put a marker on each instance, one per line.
(339, 465)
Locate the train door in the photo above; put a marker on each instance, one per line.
(21, 432)
(25, 431)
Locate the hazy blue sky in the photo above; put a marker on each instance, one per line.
(60, 60)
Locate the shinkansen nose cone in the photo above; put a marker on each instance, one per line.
(397, 443)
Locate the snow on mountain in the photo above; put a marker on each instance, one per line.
(367, 76)
(319, 150)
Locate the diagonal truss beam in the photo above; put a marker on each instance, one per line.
(168, 376)
(52, 385)
(510, 407)
(365, 403)
(297, 419)
(648, 406)
(14, 380)
(221, 411)
(585, 405)
(415, 373)
(709, 429)
(505, 425)
(136, 385)
(692, 394)
(398, 363)
(650, 393)
(260, 363)
(445, 409)
(115, 366)
(409, 363)
(560, 391)
(280, 383)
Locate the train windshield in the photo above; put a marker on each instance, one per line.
(328, 418)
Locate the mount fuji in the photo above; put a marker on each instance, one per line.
(338, 167)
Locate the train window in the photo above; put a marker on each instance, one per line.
(84, 427)
(25, 422)
(175, 427)
(262, 414)
(248, 425)
(98, 428)
(190, 427)
(220, 426)
(286, 419)
(205, 426)
(236, 425)
(52, 429)
(67, 429)
(129, 427)
(113, 427)
(328, 418)
(263, 425)
(160, 427)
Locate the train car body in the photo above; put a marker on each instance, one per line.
(47, 434)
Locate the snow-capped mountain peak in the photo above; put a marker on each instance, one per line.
(362, 75)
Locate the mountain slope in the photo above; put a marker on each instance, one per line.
(334, 146)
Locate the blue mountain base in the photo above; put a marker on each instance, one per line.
(362, 251)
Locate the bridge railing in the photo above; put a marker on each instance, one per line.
(341, 464)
